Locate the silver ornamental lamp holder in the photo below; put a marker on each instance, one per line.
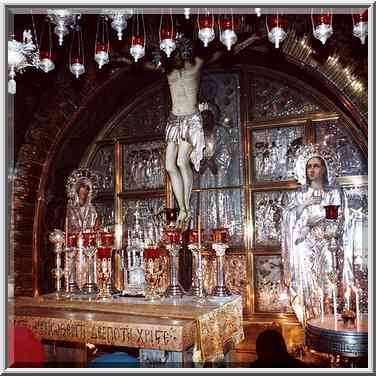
(57, 238)
(20, 56)
(220, 287)
(174, 247)
(333, 231)
(220, 237)
(119, 19)
(197, 286)
(63, 19)
(90, 287)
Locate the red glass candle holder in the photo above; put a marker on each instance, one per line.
(206, 22)
(46, 55)
(171, 216)
(360, 17)
(72, 240)
(227, 24)
(107, 239)
(167, 34)
(151, 253)
(276, 21)
(76, 60)
(325, 18)
(220, 235)
(86, 239)
(137, 39)
(193, 237)
(101, 47)
(331, 211)
(104, 252)
(173, 236)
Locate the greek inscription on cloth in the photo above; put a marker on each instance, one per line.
(107, 333)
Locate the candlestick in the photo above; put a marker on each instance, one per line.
(335, 307)
(321, 303)
(357, 310)
(199, 230)
(347, 297)
(66, 231)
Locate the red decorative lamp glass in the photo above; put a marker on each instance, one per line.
(171, 216)
(276, 27)
(107, 239)
(72, 240)
(322, 25)
(137, 49)
(173, 236)
(227, 34)
(220, 235)
(193, 237)
(104, 252)
(167, 34)
(360, 25)
(206, 28)
(331, 211)
(151, 253)
(76, 54)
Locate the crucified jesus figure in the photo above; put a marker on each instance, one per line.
(184, 129)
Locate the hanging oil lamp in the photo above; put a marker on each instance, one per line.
(167, 34)
(138, 41)
(46, 58)
(119, 19)
(76, 53)
(276, 25)
(63, 19)
(227, 34)
(206, 27)
(360, 25)
(322, 25)
(187, 12)
(102, 42)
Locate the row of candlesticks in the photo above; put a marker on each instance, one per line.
(88, 263)
(350, 318)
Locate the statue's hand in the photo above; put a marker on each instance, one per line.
(313, 200)
(303, 234)
(314, 220)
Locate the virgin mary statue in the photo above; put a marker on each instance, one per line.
(311, 267)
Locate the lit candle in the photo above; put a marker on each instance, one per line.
(357, 310)
(199, 230)
(66, 232)
(321, 303)
(335, 307)
(347, 297)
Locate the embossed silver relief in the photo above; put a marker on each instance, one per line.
(144, 166)
(221, 166)
(273, 152)
(143, 220)
(222, 208)
(148, 117)
(107, 213)
(271, 294)
(103, 162)
(268, 215)
(276, 99)
(357, 198)
(331, 133)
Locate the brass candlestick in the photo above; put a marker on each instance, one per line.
(57, 237)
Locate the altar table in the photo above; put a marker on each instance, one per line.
(175, 329)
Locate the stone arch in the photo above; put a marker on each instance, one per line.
(79, 115)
